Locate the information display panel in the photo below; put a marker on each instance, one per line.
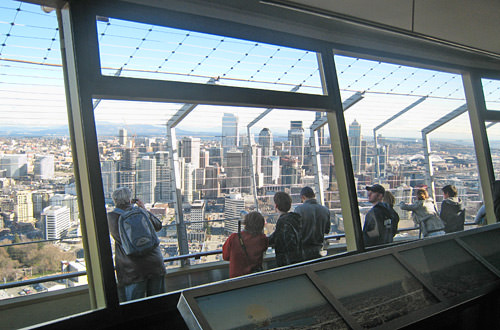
(486, 245)
(288, 303)
(376, 291)
(451, 269)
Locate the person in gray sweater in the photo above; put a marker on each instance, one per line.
(425, 214)
(315, 223)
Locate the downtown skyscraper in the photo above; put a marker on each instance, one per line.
(230, 132)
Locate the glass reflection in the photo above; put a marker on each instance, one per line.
(376, 291)
(449, 268)
(288, 303)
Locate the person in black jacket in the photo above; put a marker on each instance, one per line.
(378, 228)
(286, 238)
(452, 210)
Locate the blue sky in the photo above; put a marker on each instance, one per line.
(32, 92)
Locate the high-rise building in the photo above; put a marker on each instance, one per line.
(44, 167)
(212, 187)
(40, 200)
(197, 214)
(266, 142)
(69, 201)
(233, 205)
(230, 132)
(321, 130)
(204, 158)
(362, 157)
(191, 150)
(24, 206)
(109, 174)
(146, 179)
(355, 145)
(188, 181)
(163, 188)
(234, 169)
(15, 165)
(122, 136)
(296, 138)
(56, 220)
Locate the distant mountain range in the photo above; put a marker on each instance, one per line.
(103, 129)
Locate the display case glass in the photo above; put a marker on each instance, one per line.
(449, 267)
(288, 303)
(486, 245)
(376, 291)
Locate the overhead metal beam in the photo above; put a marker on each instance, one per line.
(426, 144)
(121, 88)
(399, 114)
(445, 119)
(351, 100)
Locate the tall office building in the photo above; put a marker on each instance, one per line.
(69, 201)
(44, 167)
(15, 165)
(234, 169)
(321, 130)
(146, 179)
(24, 206)
(191, 150)
(212, 185)
(230, 132)
(233, 205)
(188, 181)
(122, 136)
(163, 188)
(40, 200)
(127, 169)
(355, 145)
(109, 174)
(290, 171)
(266, 142)
(197, 214)
(56, 220)
(362, 156)
(296, 138)
(204, 158)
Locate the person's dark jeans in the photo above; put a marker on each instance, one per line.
(150, 287)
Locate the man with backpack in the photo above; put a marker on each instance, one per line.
(379, 221)
(286, 237)
(140, 270)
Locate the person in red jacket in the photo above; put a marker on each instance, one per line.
(245, 255)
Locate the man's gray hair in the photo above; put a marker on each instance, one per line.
(121, 196)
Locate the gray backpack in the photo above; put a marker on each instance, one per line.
(137, 233)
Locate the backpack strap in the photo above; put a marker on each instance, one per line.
(118, 210)
(243, 245)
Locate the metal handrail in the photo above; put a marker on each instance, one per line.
(167, 259)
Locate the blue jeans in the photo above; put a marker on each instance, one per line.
(436, 233)
(150, 287)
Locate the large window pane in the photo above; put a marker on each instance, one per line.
(216, 161)
(40, 232)
(401, 108)
(140, 50)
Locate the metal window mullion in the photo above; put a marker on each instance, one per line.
(316, 160)
(341, 154)
(80, 64)
(477, 111)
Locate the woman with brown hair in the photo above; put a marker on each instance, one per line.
(425, 214)
(244, 250)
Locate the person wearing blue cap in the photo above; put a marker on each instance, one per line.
(378, 227)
